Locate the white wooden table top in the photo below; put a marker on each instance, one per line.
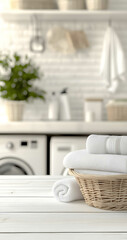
(27, 205)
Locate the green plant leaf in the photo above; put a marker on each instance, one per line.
(21, 73)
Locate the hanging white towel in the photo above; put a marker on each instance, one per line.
(113, 65)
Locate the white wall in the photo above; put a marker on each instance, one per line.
(80, 72)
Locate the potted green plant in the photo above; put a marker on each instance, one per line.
(17, 83)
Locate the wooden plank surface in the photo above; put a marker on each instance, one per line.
(34, 194)
(63, 222)
(32, 186)
(46, 205)
(27, 206)
(43, 205)
(59, 236)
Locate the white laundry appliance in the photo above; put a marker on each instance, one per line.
(59, 147)
(23, 155)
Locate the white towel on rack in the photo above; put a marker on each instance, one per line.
(67, 190)
(113, 65)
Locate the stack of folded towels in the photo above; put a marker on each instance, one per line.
(104, 155)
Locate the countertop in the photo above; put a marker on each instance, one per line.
(28, 210)
(64, 128)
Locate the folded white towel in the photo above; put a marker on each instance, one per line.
(113, 64)
(67, 190)
(102, 144)
(81, 159)
(101, 173)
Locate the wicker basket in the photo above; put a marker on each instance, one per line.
(96, 4)
(117, 111)
(71, 4)
(104, 192)
(32, 4)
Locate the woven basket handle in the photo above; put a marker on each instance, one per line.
(73, 173)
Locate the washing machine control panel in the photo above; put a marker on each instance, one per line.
(31, 144)
(22, 144)
(10, 145)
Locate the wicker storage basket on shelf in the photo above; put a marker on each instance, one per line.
(33, 4)
(96, 4)
(71, 4)
(117, 111)
(104, 192)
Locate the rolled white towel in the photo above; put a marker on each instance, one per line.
(104, 144)
(81, 159)
(67, 190)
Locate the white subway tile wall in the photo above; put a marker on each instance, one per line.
(118, 4)
(79, 72)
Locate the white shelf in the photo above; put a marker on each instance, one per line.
(65, 15)
(68, 127)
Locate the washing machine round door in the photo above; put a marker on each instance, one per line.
(14, 166)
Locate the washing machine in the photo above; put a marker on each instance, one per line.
(23, 155)
(59, 147)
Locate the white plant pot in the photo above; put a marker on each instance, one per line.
(32, 4)
(71, 4)
(14, 110)
(96, 4)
